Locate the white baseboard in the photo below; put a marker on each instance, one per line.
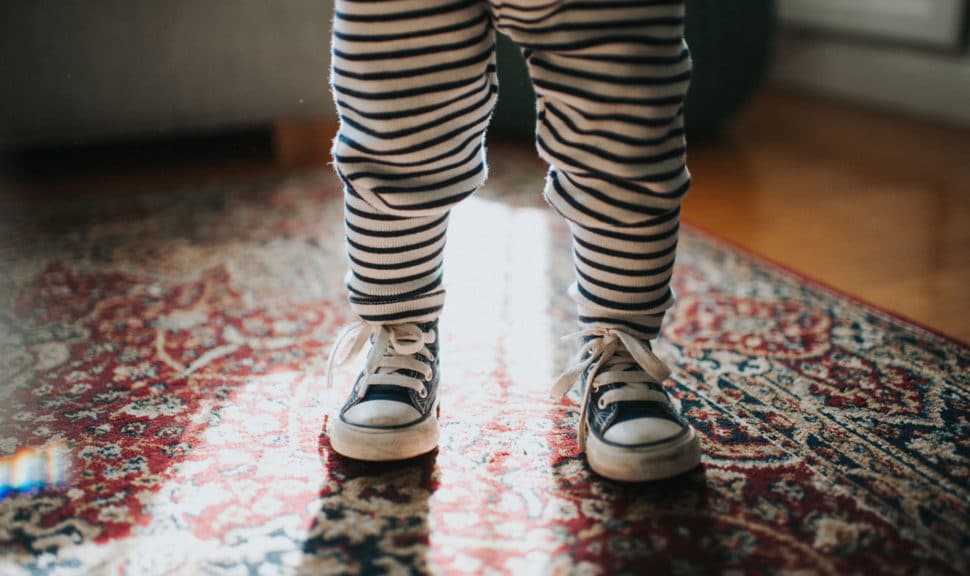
(936, 23)
(922, 82)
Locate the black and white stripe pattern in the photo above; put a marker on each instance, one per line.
(414, 82)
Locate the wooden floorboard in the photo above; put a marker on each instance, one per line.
(875, 204)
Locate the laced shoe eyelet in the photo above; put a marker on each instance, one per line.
(601, 404)
(423, 393)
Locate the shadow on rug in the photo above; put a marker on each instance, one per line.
(171, 345)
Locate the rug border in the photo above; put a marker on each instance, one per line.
(822, 284)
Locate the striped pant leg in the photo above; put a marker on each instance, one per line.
(414, 85)
(611, 78)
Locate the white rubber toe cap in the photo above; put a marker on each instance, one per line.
(641, 431)
(381, 413)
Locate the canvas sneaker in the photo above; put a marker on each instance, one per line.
(628, 427)
(392, 411)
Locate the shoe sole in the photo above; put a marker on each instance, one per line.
(381, 445)
(643, 464)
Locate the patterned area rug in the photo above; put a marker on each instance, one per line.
(163, 354)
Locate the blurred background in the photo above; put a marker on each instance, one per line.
(832, 136)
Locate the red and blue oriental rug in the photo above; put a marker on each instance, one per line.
(162, 406)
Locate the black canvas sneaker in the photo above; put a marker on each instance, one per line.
(628, 427)
(392, 411)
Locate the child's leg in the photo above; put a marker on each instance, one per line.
(611, 80)
(414, 84)
(610, 125)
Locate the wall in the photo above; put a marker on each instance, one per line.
(926, 73)
(72, 72)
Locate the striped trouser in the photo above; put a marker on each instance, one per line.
(415, 82)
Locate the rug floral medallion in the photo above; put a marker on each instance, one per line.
(168, 349)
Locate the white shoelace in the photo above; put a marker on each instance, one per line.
(609, 355)
(394, 348)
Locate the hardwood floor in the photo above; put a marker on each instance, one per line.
(875, 204)
(872, 203)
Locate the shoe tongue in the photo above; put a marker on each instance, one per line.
(622, 361)
(403, 371)
(389, 391)
(424, 327)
